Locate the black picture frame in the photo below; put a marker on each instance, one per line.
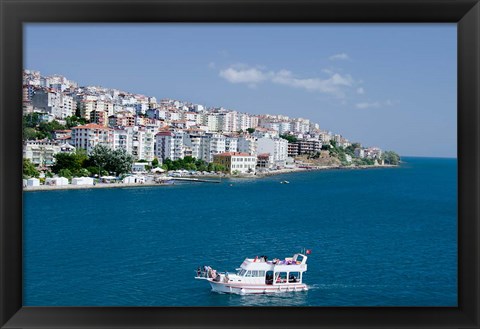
(466, 13)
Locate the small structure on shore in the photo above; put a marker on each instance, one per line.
(56, 181)
(134, 180)
(108, 179)
(157, 170)
(139, 167)
(82, 181)
(33, 182)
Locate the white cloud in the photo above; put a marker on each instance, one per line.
(331, 85)
(339, 57)
(336, 84)
(376, 105)
(238, 75)
(360, 91)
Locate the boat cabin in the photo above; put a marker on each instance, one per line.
(260, 270)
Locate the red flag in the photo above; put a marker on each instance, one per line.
(308, 252)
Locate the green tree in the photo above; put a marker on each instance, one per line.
(155, 163)
(78, 112)
(211, 167)
(350, 150)
(391, 157)
(326, 147)
(120, 162)
(250, 130)
(101, 156)
(289, 138)
(114, 161)
(29, 133)
(73, 121)
(31, 120)
(83, 172)
(65, 161)
(47, 128)
(29, 169)
(95, 171)
(219, 167)
(363, 162)
(71, 161)
(65, 173)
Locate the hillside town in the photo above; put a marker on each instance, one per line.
(62, 117)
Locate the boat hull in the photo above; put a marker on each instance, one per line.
(244, 289)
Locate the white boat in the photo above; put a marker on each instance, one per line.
(259, 276)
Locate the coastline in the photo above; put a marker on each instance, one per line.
(148, 184)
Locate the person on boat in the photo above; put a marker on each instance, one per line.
(269, 278)
(279, 279)
(292, 278)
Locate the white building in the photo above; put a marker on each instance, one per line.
(143, 143)
(277, 147)
(122, 139)
(33, 182)
(90, 135)
(247, 144)
(56, 181)
(359, 153)
(243, 121)
(134, 180)
(236, 162)
(212, 144)
(227, 121)
(54, 103)
(325, 137)
(87, 181)
(212, 122)
(193, 142)
(42, 152)
(169, 145)
(139, 167)
(231, 144)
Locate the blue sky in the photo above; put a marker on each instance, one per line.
(386, 85)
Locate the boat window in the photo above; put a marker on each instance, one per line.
(261, 274)
(241, 272)
(281, 277)
(249, 274)
(255, 273)
(293, 277)
(269, 277)
(299, 259)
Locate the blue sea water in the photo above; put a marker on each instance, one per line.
(379, 237)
